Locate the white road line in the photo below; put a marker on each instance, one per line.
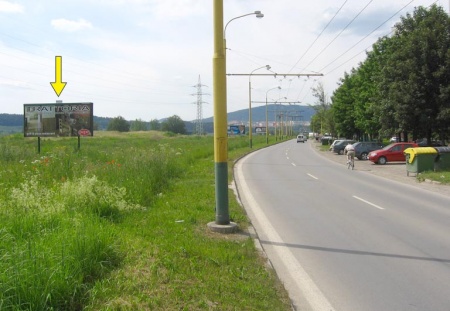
(298, 277)
(312, 176)
(362, 200)
(293, 164)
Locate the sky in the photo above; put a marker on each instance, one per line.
(149, 59)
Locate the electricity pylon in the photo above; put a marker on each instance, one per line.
(199, 103)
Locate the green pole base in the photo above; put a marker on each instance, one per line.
(230, 228)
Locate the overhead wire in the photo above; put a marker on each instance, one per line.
(367, 48)
(365, 37)
(334, 39)
(318, 36)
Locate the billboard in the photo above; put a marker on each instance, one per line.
(56, 120)
(236, 129)
(260, 130)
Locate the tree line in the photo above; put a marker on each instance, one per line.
(172, 124)
(401, 89)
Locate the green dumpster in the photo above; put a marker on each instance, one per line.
(442, 162)
(325, 141)
(420, 159)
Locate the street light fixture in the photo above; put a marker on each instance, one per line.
(222, 222)
(250, 103)
(267, 116)
(257, 13)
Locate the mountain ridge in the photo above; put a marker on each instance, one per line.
(13, 123)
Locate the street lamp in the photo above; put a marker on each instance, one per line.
(222, 222)
(267, 117)
(257, 13)
(250, 103)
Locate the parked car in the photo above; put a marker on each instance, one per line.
(424, 143)
(340, 146)
(393, 139)
(390, 153)
(363, 148)
(301, 138)
(336, 141)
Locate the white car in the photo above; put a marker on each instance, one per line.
(337, 141)
(301, 138)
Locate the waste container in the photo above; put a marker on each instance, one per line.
(325, 141)
(420, 159)
(442, 161)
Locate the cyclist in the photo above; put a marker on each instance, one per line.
(350, 151)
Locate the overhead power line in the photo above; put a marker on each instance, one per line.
(367, 36)
(326, 47)
(320, 34)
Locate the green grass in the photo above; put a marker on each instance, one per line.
(121, 225)
(443, 177)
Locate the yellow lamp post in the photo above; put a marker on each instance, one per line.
(222, 222)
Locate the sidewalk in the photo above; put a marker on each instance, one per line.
(394, 171)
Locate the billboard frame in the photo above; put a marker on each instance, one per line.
(58, 119)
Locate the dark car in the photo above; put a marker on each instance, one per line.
(340, 146)
(390, 153)
(424, 143)
(363, 148)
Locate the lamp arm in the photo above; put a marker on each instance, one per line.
(257, 13)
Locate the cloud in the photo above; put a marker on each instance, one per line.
(66, 25)
(14, 84)
(178, 8)
(10, 7)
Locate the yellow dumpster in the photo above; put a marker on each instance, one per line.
(420, 159)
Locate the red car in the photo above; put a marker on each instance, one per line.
(390, 153)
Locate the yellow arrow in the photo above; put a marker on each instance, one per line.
(58, 85)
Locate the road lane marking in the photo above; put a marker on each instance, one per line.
(293, 164)
(367, 202)
(297, 275)
(312, 176)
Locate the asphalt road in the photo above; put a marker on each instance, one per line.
(347, 240)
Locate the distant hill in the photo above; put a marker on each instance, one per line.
(11, 119)
(16, 120)
(297, 112)
(13, 123)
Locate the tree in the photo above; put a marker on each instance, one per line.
(324, 118)
(155, 125)
(404, 84)
(416, 74)
(118, 124)
(175, 125)
(343, 107)
(138, 125)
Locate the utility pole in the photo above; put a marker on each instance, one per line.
(199, 103)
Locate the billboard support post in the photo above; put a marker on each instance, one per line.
(39, 144)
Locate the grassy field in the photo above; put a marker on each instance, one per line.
(121, 225)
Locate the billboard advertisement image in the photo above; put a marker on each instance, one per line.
(58, 120)
(236, 130)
